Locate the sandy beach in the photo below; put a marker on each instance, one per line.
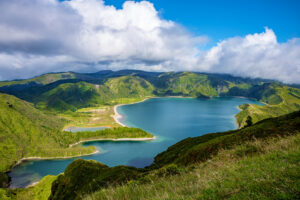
(117, 116)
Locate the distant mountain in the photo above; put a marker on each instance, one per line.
(69, 91)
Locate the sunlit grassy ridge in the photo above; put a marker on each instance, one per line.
(255, 170)
(43, 79)
(87, 100)
(65, 93)
(250, 148)
(28, 132)
(40, 191)
(283, 100)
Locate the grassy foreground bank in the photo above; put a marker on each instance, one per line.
(255, 170)
(28, 132)
(257, 162)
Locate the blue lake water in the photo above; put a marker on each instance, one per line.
(169, 119)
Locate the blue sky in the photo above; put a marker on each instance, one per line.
(220, 19)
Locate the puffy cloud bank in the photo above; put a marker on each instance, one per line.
(257, 55)
(40, 36)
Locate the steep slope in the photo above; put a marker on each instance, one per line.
(188, 84)
(39, 80)
(280, 100)
(73, 91)
(28, 132)
(72, 96)
(264, 169)
(25, 131)
(189, 152)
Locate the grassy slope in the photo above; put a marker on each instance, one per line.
(186, 155)
(114, 133)
(40, 191)
(91, 117)
(28, 132)
(43, 79)
(261, 169)
(73, 96)
(281, 100)
(254, 170)
(110, 88)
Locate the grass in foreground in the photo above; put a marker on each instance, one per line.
(255, 170)
(179, 157)
(257, 162)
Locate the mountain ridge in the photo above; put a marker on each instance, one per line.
(70, 91)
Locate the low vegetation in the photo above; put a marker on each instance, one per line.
(66, 93)
(258, 161)
(40, 191)
(114, 133)
(250, 148)
(255, 170)
(28, 132)
(281, 100)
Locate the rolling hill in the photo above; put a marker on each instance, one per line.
(68, 92)
(28, 132)
(259, 161)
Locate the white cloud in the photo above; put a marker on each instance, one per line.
(40, 36)
(257, 55)
(88, 31)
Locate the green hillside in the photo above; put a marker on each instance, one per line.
(28, 132)
(43, 79)
(281, 100)
(190, 84)
(257, 162)
(68, 92)
(255, 170)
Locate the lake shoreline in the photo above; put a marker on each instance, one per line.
(71, 145)
(68, 157)
(114, 140)
(118, 116)
(51, 158)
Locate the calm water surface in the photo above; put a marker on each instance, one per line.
(169, 119)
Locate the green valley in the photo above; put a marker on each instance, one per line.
(66, 93)
(257, 162)
(28, 132)
(34, 113)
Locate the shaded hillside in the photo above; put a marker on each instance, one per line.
(281, 100)
(38, 80)
(68, 92)
(25, 130)
(28, 132)
(77, 181)
(262, 169)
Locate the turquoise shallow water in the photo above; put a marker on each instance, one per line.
(169, 119)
